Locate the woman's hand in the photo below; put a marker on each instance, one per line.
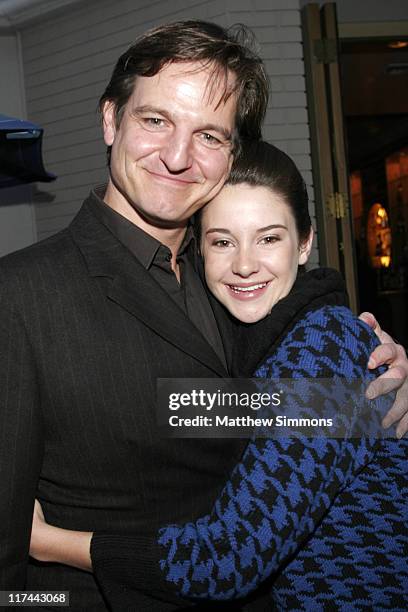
(41, 533)
(394, 379)
(56, 545)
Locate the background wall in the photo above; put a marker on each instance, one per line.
(68, 60)
(17, 223)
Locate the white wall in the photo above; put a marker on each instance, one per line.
(68, 61)
(17, 225)
(277, 27)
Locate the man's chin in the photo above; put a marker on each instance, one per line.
(163, 222)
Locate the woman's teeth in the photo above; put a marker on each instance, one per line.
(251, 288)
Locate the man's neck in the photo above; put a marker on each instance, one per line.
(172, 237)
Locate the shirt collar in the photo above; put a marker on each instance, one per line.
(141, 244)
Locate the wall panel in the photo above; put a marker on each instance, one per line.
(68, 60)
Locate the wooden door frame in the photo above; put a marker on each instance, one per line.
(330, 177)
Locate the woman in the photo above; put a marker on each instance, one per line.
(321, 518)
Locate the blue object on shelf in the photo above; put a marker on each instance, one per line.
(21, 153)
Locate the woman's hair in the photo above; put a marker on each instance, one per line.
(221, 50)
(260, 164)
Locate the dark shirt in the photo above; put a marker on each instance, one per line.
(189, 294)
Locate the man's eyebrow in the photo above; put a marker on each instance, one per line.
(215, 127)
(146, 108)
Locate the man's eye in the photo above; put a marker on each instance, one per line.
(210, 140)
(153, 122)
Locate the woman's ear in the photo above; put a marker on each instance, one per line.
(305, 248)
(109, 122)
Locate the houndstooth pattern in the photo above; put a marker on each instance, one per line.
(358, 557)
(283, 490)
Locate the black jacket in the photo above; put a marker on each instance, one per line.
(84, 333)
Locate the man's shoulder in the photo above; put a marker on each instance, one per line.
(43, 268)
(38, 254)
(59, 247)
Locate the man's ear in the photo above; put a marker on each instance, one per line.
(305, 248)
(109, 122)
(230, 162)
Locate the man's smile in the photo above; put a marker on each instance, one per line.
(174, 180)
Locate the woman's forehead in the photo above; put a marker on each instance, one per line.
(243, 203)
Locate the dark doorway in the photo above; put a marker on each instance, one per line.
(375, 101)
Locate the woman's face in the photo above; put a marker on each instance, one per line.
(251, 250)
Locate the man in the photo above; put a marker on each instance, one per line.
(94, 315)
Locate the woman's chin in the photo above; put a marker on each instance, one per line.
(248, 316)
(242, 311)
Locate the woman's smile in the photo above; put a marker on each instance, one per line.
(251, 249)
(248, 291)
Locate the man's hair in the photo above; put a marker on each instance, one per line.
(219, 49)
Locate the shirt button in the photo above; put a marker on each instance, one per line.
(168, 257)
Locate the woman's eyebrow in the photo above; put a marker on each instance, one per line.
(221, 230)
(273, 226)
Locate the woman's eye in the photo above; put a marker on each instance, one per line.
(270, 239)
(221, 243)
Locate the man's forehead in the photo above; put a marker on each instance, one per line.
(217, 83)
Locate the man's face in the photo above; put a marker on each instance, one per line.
(173, 149)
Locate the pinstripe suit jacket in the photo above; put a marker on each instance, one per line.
(84, 333)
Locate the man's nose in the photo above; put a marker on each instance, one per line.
(177, 152)
(245, 262)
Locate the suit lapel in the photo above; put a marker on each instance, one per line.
(136, 291)
(227, 325)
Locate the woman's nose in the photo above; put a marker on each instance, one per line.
(245, 263)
